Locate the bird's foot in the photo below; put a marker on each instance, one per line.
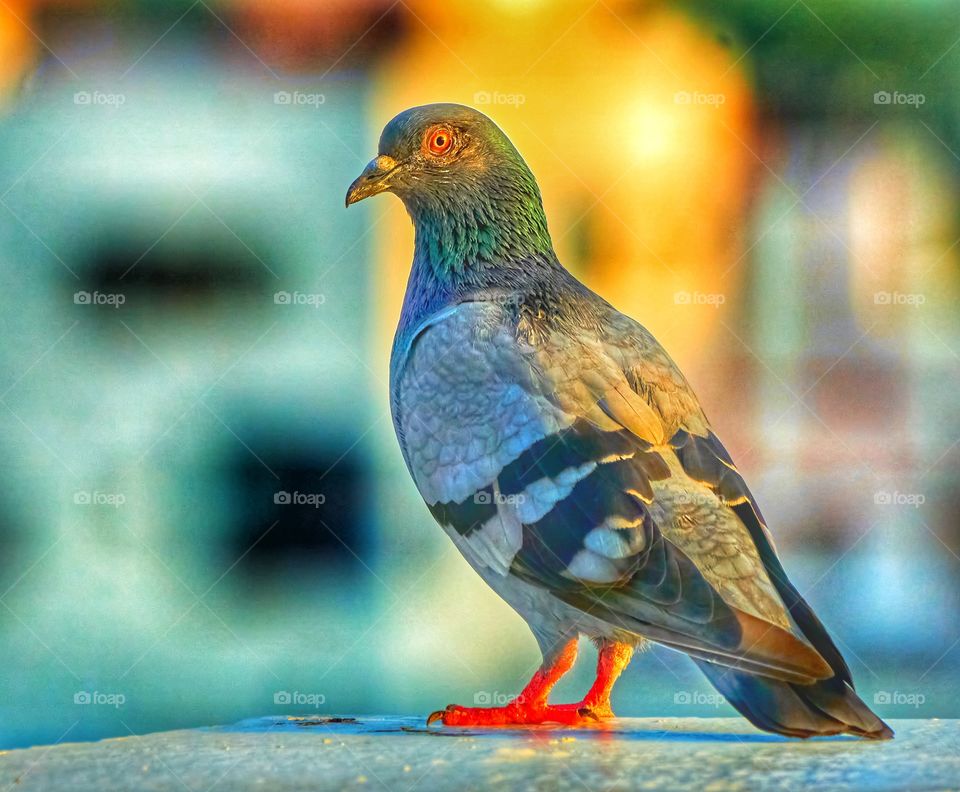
(519, 713)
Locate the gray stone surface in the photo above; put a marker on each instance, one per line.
(281, 753)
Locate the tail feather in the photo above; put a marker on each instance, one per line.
(826, 707)
(824, 704)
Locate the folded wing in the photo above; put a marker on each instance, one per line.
(558, 463)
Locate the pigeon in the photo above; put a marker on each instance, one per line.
(568, 459)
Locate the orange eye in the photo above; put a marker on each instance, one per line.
(438, 141)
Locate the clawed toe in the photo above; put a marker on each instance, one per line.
(433, 717)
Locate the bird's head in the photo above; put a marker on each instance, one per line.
(472, 198)
(431, 154)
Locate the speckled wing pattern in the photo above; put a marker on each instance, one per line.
(577, 460)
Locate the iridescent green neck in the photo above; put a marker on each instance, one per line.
(493, 221)
(484, 235)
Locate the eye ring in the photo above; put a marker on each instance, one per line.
(438, 140)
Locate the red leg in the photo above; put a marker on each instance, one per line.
(613, 658)
(531, 705)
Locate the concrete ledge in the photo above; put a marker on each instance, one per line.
(283, 753)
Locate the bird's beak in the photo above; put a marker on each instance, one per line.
(373, 179)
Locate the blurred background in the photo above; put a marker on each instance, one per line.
(205, 515)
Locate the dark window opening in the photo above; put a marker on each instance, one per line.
(183, 271)
(315, 511)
